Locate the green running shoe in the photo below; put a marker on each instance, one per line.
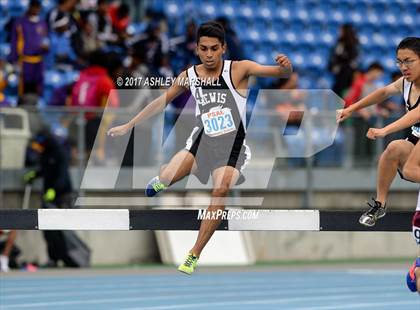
(154, 186)
(189, 264)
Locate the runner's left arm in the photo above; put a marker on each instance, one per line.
(406, 121)
(282, 70)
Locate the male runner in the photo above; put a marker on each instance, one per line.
(216, 145)
(397, 152)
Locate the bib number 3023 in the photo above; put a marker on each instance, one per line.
(218, 122)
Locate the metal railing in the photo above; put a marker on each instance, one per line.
(267, 126)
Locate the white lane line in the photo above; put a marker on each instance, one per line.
(266, 287)
(179, 306)
(365, 305)
(225, 304)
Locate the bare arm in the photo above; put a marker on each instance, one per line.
(156, 106)
(377, 96)
(284, 68)
(406, 121)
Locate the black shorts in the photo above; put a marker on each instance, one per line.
(210, 157)
(413, 139)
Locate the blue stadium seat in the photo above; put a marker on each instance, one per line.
(309, 38)
(318, 61)
(12, 85)
(284, 14)
(337, 17)
(299, 60)
(378, 40)
(271, 36)
(289, 36)
(246, 11)
(325, 81)
(53, 79)
(210, 11)
(407, 19)
(261, 58)
(356, 18)
(173, 10)
(301, 14)
(249, 50)
(318, 15)
(254, 36)
(228, 10)
(297, 27)
(371, 19)
(304, 82)
(17, 8)
(328, 38)
(388, 63)
(47, 5)
(71, 76)
(265, 12)
(367, 60)
(4, 50)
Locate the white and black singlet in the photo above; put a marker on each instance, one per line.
(218, 138)
(414, 135)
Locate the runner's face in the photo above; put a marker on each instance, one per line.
(210, 52)
(409, 64)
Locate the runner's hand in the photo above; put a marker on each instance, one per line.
(374, 133)
(119, 130)
(343, 114)
(283, 61)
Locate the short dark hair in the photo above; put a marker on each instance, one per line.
(35, 3)
(211, 29)
(410, 43)
(375, 66)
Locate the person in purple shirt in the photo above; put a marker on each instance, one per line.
(29, 44)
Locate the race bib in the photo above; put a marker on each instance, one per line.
(416, 234)
(218, 122)
(416, 131)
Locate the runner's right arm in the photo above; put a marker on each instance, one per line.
(154, 107)
(375, 97)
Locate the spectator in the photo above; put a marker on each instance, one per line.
(53, 159)
(65, 8)
(61, 50)
(154, 45)
(85, 41)
(364, 84)
(120, 19)
(343, 59)
(184, 46)
(93, 90)
(101, 24)
(28, 46)
(8, 251)
(3, 83)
